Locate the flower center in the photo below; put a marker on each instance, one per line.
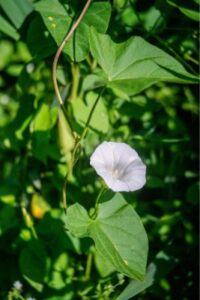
(116, 173)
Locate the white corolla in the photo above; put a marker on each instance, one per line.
(120, 166)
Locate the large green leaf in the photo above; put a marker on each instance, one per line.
(39, 41)
(58, 22)
(134, 65)
(103, 265)
(8, 29)
(17, 10)
(117, 232)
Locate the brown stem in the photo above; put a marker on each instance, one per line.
(55, 83)
(60, 48)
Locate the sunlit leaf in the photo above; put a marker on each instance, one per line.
(103, 266)
(8, 29)
(117, 232)
(134, 65)
(17, 10)
(58, 21)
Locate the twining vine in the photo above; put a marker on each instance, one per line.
(61, 102)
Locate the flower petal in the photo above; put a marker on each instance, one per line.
(120, 166)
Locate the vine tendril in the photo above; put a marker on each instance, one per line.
(56, 58)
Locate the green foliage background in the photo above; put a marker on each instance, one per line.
(160, 122)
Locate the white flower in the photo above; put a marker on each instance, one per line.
(30, 298)
(120, 166)
(18, 285)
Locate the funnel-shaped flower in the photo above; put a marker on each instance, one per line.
(120, 166)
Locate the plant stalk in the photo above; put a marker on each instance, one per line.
(75, 81)
(101, 192)
(55, 83)
(76, 147)
(58, 53)
(88, 266)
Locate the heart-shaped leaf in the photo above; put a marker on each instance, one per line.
(134, 65)
(58, 21)
(118, 234)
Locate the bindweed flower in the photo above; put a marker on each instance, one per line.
(30, 298)
(18, 285)
(120, 166)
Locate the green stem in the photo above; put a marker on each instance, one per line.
(84, 133)
(88, 266)
(34, 233)
(15, 294)
(67, 118)
(64, 189)
(21, 297)
(101, 192)
(91, 113)
(76, 147)
(151, 31)
(64, 192)
(75, 81)
(92, 63)
(29, 222)
(188, 57)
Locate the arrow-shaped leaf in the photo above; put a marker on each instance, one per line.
(118, 234)
(134, 65)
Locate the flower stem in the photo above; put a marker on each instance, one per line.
(85, 130)
(74, 159)
(101, 192)
(91, 113)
